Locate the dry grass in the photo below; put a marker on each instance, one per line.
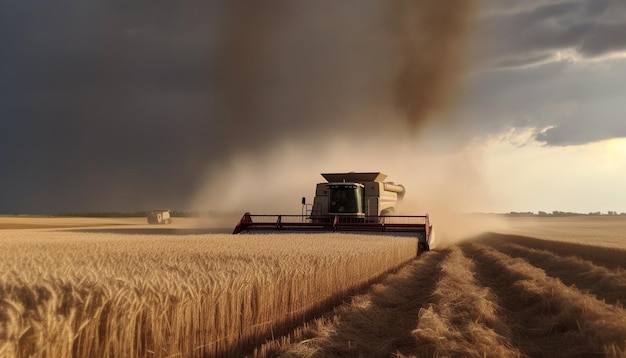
(117, 295)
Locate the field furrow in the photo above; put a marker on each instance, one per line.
(610, 257)
(606, 284)
(463, 319)
(378, 323)
(439, 309)
(546, 317)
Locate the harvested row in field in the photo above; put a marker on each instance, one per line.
(375, 324)
(463, 319)
(611, 257)
(606, 284)
(79, 294)
(546, 317)
(433, 307)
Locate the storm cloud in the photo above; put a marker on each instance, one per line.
(123, 106)
(551, 67)
(525, 33)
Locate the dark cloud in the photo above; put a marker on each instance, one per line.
(531, 32)
(598, 120)
(564, 102)
(547, 67)
(576, 132)
(605, 39)
(123, 105)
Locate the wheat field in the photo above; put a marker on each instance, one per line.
(154, 293)
(535, 287)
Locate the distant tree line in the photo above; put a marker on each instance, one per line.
(562, 213)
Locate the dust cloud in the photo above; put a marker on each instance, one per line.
(306, 88)
(300, 70)
(431, 38)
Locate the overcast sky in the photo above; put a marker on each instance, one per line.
(497, 105)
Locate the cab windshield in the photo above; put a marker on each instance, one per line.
(345, 199)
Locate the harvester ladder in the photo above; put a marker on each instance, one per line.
(307, 209)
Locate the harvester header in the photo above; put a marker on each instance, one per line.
(352, 201)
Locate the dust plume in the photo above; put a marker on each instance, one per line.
(448, 186)
(430, 40)
(288, 69)
(305, 88)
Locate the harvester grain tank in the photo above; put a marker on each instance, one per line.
(354, 201)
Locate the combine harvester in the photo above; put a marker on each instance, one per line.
(160, 217)
(361, 202)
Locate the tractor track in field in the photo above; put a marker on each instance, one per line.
(487, 297)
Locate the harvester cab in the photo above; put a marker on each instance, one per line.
(356, 195)
(345, 199)
(348, 202)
